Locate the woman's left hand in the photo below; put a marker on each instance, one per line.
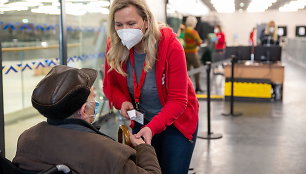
(146, 133)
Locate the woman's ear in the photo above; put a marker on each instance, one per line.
(146, 23)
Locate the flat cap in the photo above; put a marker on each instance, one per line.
(63, 91)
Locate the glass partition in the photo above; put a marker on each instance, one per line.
(86, 32)
(29, 35)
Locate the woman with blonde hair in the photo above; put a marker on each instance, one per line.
(146, 79)
(270, 35)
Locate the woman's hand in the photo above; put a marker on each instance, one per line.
(146, 133)
(135, 141)
(126, 106)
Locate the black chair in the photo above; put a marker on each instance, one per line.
(7, 167)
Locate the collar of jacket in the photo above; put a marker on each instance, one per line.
(77, 122)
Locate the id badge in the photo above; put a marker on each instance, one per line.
(136, 116)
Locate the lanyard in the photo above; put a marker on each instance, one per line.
(137, 87)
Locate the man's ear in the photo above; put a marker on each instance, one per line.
(82, 110)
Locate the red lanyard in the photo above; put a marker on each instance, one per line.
(137, 87)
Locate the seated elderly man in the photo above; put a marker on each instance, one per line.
(66, 97)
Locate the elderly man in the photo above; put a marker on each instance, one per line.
(66, 97)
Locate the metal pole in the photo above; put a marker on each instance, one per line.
(62, 34)
(2, 138)
(208, 97)
(232, 87)
(209, 135)
(232, 92)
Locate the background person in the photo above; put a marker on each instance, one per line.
(180, 34)
(252, 37)
(220, 42)
(192, 42)
(146, 70)
(66, 97)
(270, 36)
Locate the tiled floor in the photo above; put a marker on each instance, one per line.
(269, 137)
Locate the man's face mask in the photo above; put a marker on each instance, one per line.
(96, 108)
(130, 37)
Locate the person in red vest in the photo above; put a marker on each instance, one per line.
(146, 79)
(220, 43)
(252, 37)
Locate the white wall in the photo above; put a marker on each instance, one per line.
(240, 24)
(158, 9)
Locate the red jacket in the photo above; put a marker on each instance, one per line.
(175, 90)
(221, 41)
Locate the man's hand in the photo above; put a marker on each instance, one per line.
(146, 133)
(135, 141)
(126, 106)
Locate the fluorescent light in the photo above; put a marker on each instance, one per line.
(99, 3)
(189, 7)
(260, 5)
(293, 6)
(44, 44)
(223, 6)
(24, 4)
(41, 1)
(47, 9)
(25, 21)
(170, 10)
(104, 10)
(3, 1)
(7, 8)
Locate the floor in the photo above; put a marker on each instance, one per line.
(268, 138)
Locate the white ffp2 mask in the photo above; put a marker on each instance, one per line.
(130, 37)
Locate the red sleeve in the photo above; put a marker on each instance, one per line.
(222, 39)
(112, 87)
(176, 81)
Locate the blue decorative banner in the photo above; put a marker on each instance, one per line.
(11, 26)
(47, 63)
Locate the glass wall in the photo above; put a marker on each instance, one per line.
(86, 33)
(29, 36)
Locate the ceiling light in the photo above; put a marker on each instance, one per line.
(260, 5)
(47, 9)
(24, 4)
(7, 8)
(293, 6)
(25, 20)
(99, 3)
(41, 1)
(241, 4)
(222, 6)
(3, 1)
(189, 7)
(104, 11)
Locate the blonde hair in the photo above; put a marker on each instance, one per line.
(274, 34)
(118, 54)
(191, 21)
